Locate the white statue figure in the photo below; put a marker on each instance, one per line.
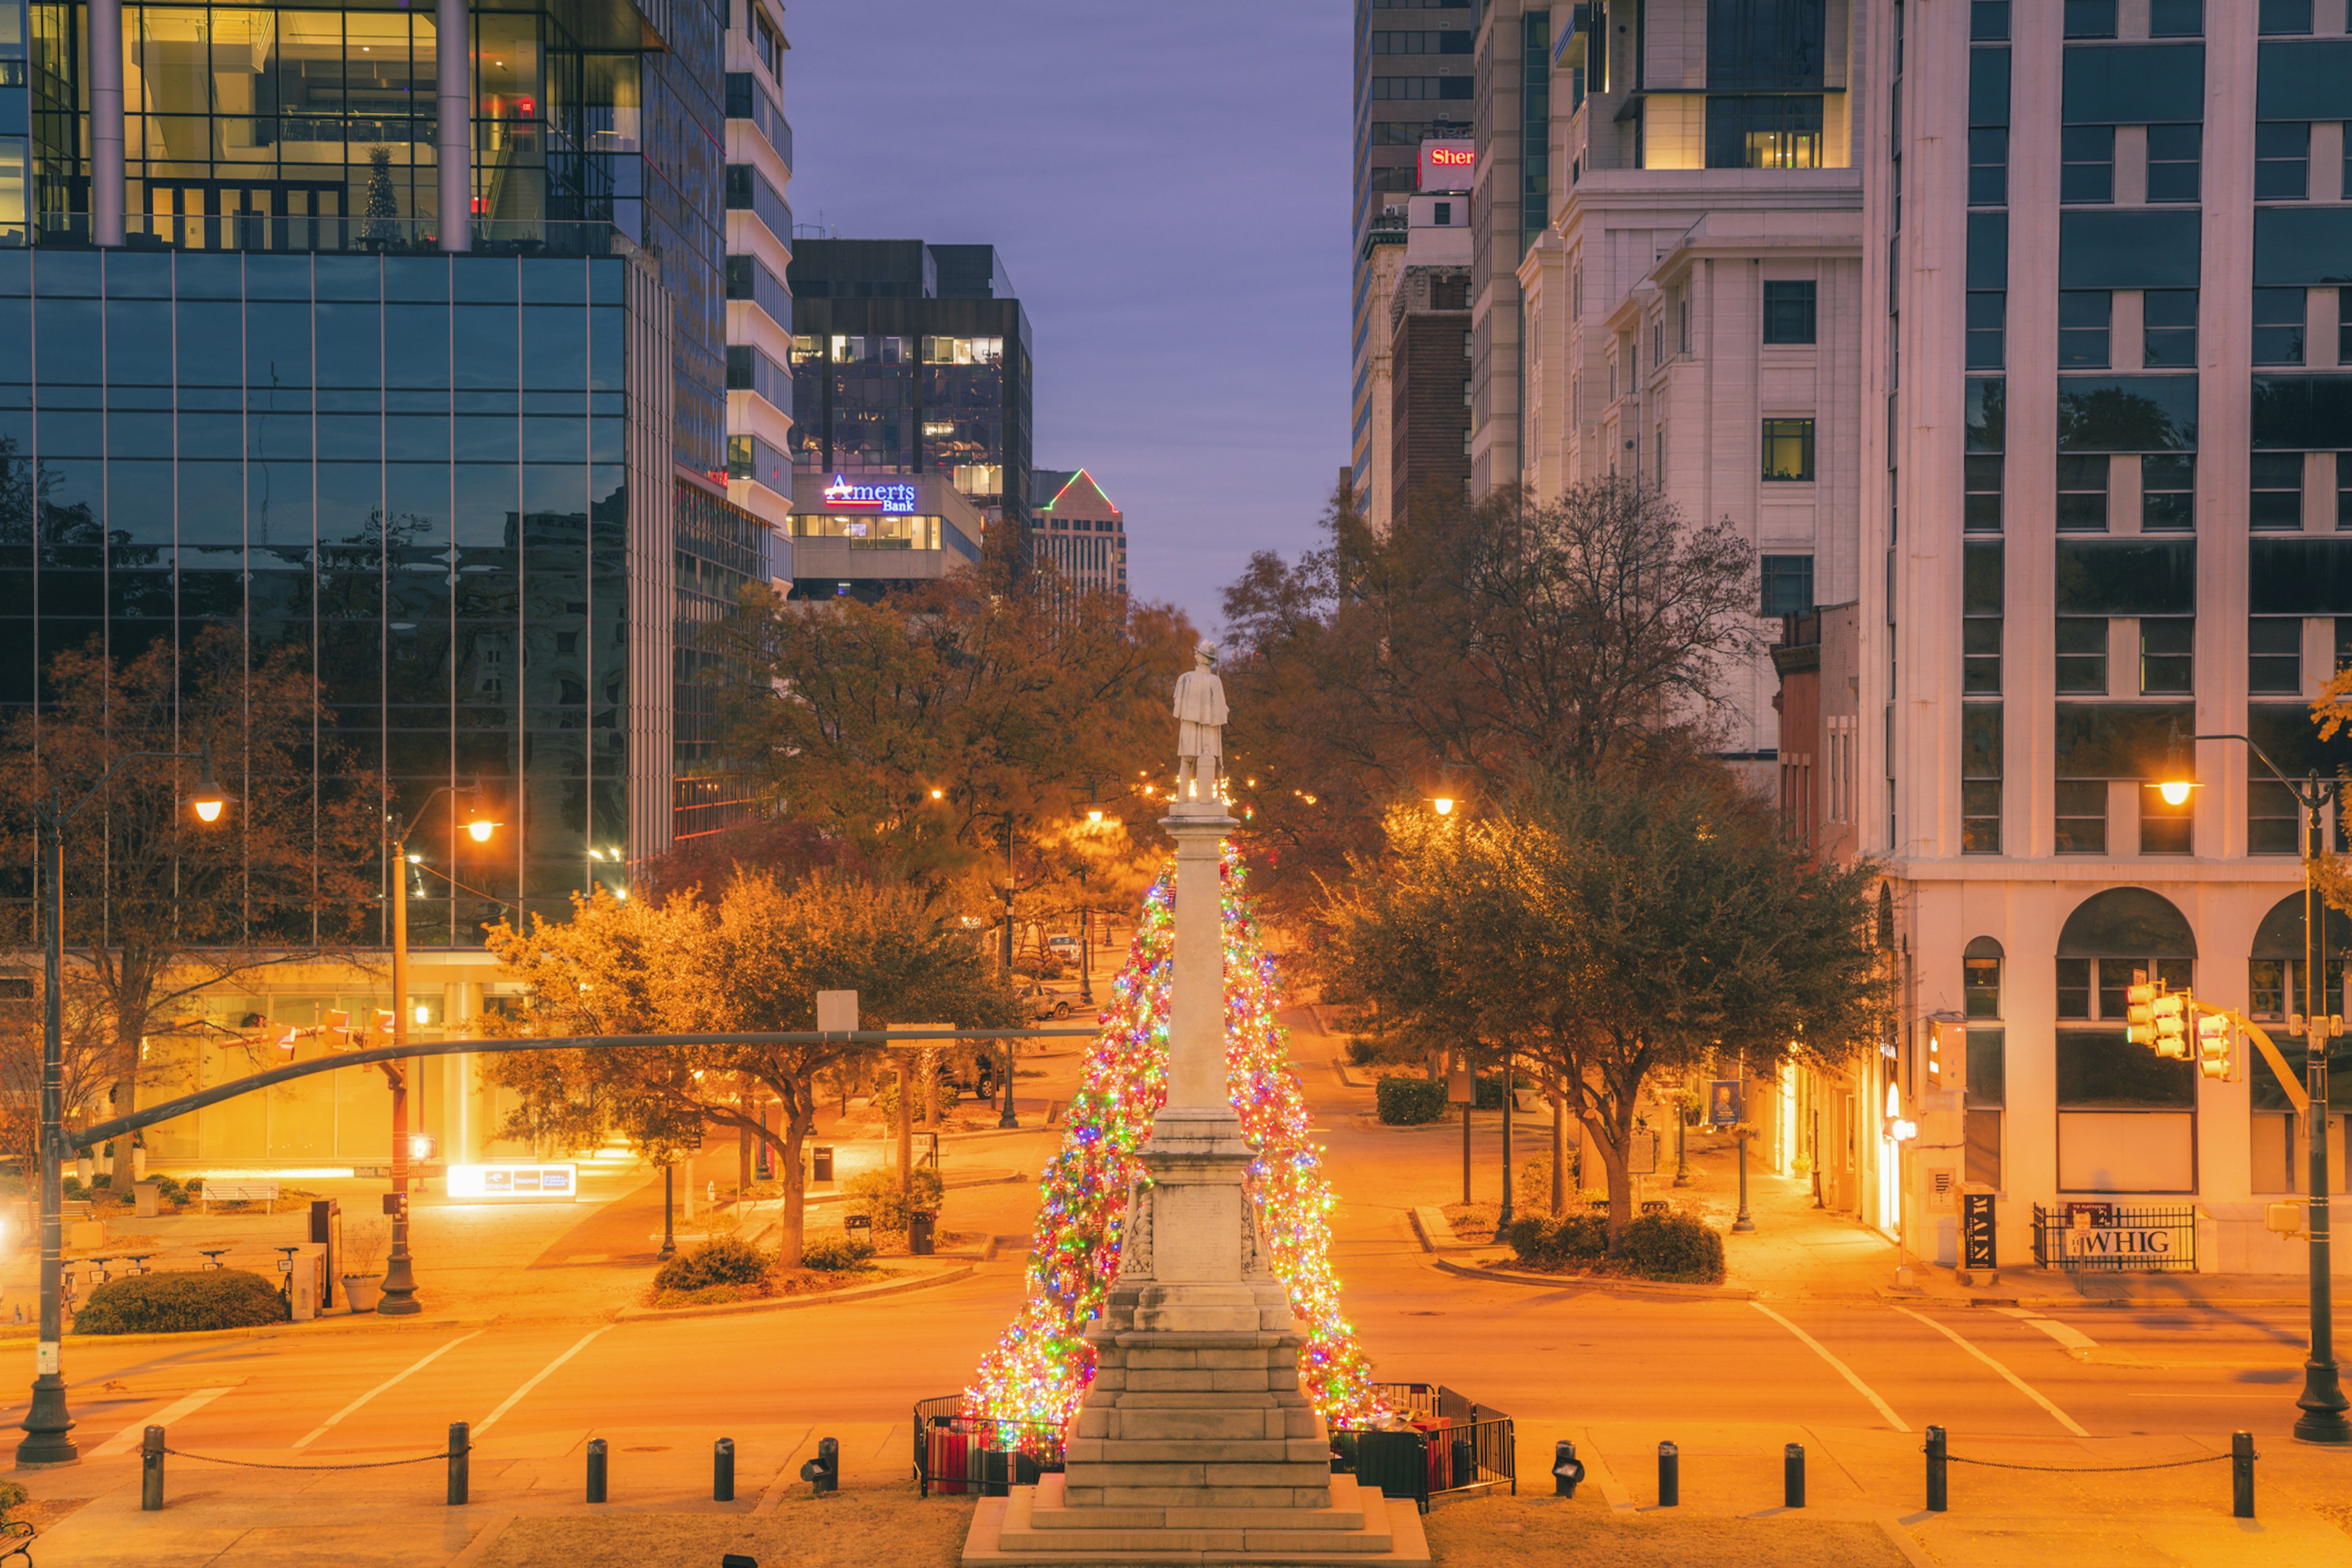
(1201, 715)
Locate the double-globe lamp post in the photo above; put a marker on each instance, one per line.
(2323, 1401)
(47, 1424)
(399, 1297)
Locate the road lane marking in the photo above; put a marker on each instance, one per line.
(1843, 1370)
(544, 1374)
(2066, 1334)
(397, 1377)
(2015, 1381)
(123, 1442)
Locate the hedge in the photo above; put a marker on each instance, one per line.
(190, 1301)
(1406, 1101)
(723, 1260)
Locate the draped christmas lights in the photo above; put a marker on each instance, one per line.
(1041, 1367)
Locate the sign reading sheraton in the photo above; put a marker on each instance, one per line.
(896, 499)
(1448, 166)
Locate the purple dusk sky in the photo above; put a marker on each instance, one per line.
(1167, 187)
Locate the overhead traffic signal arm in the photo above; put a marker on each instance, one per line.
(2289, 1080)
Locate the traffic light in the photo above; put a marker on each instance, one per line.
(2213, 1046)
(2139, 1001)
(2170, 1012)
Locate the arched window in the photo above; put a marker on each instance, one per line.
(1980, 978)
(2109, 936)
(2275, 965)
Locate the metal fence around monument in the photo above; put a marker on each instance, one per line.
(2116, 1239)
(958, 1454)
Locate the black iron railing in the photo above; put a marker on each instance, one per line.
(2108, 1238)
(958, 1455)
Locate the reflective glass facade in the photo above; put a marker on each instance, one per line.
(409, 468)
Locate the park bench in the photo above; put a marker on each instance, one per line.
(219, 1190)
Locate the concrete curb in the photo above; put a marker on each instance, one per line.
(1348, 1074)
(786, 1303)
(1437, 1234)
(340, 1323)
(1600, 1282)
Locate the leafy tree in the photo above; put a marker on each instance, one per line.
(749, 960)
(1469, 648)
(1609, 929)
(159, 907)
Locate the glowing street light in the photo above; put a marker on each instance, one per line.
(1442, 805)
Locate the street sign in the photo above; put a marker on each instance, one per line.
(1723, 1102)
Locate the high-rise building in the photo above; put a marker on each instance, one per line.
(910, 358)
(1414, 82)
(1079, 530)
(1510, 207)
(395, 338)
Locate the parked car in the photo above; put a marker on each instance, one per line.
(1044, 1004)
(1063, 947)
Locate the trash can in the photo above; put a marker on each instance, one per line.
(821, 1163)
(918, 1232)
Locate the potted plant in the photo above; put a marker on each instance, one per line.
(363, 1252)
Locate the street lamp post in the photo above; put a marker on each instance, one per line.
(2322, 1403)
(399, 1295)
(47, 1424)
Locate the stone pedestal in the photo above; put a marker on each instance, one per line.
(1194, 1443)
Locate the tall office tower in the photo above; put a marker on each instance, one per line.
(910, 358)
(1511, 122)
(2104, 469)
(1080, 529)
(1413, 84)
(393, 338)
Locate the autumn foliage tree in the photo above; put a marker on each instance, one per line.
(1608, 930)
(749, 958)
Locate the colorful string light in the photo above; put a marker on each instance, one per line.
(1040, 1368)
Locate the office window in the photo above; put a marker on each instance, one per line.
(2090, 18)
(2086, 171)
(1788, 311)
(1763, 133)
(2282, 161)
(2083, 655)
(1989, 20)
(1980, 778)
(1987, 1087)
(2176, 18)
(1466, 340)
(2277, 486)
(1788, 583)
(1987, 258)
(2175, 156)
(2080, 823)
(1983, 598)
(2344, 491)
(1789, 449)
(2083, 315)
(2169, 327)
(2278, 326)
(1981, 979)
(2166, 828)
(1988, 315)
(2344, 316)
(2168, 492)
(2167, 656)
(2285, 18)
(1989, 166)
(2274, 820)
(2082, 492)
(2275, 656)
(1981, 494)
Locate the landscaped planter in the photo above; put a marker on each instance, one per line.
(361, 1292)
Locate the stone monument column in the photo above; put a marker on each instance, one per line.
(1194, 1436)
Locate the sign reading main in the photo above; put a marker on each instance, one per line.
(1448, 166)
(898, 500)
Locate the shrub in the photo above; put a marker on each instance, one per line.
(187, 1302)
(103, 1179)
(1490, 1091)
(1674, 1246)
(723, 1261)
(835, 1254)
(875, 1195)
(1406, 1101)
(168, 1189)
(13, 1496)
(71, 1188)
(1577, 1240)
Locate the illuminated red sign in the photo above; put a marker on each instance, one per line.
(1452, 158)
(1448, 166)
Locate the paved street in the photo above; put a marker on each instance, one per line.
(1851, 1372)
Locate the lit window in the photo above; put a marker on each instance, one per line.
(1789, 449)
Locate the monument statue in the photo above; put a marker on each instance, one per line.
(1201, 716)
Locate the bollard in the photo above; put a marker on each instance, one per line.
(150, 1470)
(824, 1472)
(596, 1469)
(1938, 1499)
(461, 1464)
(1670, 1476)
(1792, 1476)
(2241, 1474)
(1567, 1469)
(722, 1471)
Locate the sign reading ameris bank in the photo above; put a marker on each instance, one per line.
(842, 496)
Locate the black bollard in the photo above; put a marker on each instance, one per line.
(595, 1470)
(150, 1470)
(1792, 1476)
(722, 1471)
(824, 1472)
(1567, 1469)
(461, 1465)
(1670, 1476)
(2241, 1474)
(1938, 1499)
